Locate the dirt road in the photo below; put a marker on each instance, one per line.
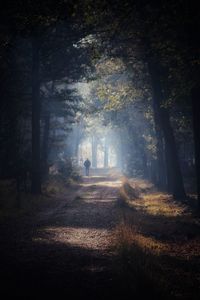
(64, 250)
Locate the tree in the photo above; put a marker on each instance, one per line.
(196, 118)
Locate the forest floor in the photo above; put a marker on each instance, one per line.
(97, 241)
(65, 247)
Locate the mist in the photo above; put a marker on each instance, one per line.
(100, 149)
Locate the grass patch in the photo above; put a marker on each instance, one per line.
(162, 204)
(128, 193)
(29, 205)
(157, 245)
(55, 184)
(149, 271)
(138, 267)
(54, 188)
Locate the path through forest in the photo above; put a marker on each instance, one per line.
(68, 248)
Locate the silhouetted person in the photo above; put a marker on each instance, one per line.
(87, 165)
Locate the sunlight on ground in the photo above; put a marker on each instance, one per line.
(149, 200)
(93, 205)
(160, 204)
(92, 200)
(157, 223)
(106, 183)
(87, 238)
(127, 236)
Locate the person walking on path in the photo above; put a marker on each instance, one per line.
(87, 165)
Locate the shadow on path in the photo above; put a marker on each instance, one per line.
(67, 252)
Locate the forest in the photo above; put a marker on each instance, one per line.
(100, 149)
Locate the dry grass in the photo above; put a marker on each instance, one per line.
(53, 189)
(159, 239)
(143, 185)
(137, 266)
(29, 204)
(55, 185)
(128, 192)
(160, 204)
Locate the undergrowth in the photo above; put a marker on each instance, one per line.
(140, 270)
(157, 244)
(14, 204)
(128, 193)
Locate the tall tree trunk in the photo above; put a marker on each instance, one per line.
(45, 146)
(138, 143)
(176, 179)
(36, 176)
(196, 131)
(153, 171)
(174, 174)
(118, 157)
(169, 170)
(121, 157)
(77, 141)
(160, 163)
(46, 133)
(94, 152)
(144, 164)
(106, 153)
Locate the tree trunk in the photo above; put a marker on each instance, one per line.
(174, 174)
(77, 141)
(94, 152)
(122, 150)
(144, 165)
(46, 133)
(119, 153)
(195, 95)
(153, 171)
(160, 163)
(36, 176)
(45, 146)
(176, 180)
(106, 153)
(169, 170)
